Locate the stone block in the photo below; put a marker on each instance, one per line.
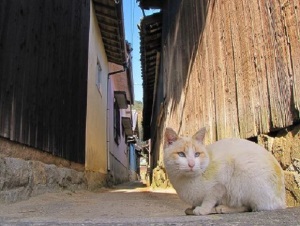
(15, 194)
(38, 173)
(52, 175)
(292, 185)
(17, 173)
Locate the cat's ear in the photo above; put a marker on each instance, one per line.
(199, 136)
(170, 136)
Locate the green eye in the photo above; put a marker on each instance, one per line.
(197, 154)
(181, 154)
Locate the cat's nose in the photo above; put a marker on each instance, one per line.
(191, 164)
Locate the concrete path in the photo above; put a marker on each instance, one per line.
(128, 204)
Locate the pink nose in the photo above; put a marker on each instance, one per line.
(191, 164)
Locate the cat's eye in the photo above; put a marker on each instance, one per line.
(197, 154)
(181, 154)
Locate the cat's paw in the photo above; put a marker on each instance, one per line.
(199, 210)
(189, 211)
(221, 209)
(228, 209)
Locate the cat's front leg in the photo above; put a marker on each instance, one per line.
(210, 201)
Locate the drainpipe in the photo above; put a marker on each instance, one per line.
(107, 130)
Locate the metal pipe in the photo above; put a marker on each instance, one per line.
(116, 72)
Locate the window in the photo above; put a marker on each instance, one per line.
(116, 122)
(99, 76)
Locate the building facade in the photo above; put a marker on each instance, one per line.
(56, 95)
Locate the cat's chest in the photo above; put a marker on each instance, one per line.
(191, 191)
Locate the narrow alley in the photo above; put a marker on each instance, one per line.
(127, 204)
(89, 87)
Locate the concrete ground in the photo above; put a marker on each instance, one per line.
(128, 204)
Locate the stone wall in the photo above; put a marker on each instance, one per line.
(21, 179)
(285, 146)
(27, 171)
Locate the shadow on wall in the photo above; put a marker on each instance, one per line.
(183, 25)
(184, 22)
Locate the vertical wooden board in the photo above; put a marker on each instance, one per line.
(278, 84)
(262, 112)
(225, 122)
(243, 70)
(210, 99)
(198, 114)
(283, 64)
(196, 118)
(270, 68)
(291, 10)
(231, 121)
(210, 107)
(179, 51)
(216, 70)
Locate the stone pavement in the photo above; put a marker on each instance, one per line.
(127, 204)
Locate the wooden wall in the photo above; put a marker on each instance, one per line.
(43, 74)
(232, 66)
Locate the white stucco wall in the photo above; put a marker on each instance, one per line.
(96, 138)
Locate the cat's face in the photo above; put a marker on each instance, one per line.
(185, 156)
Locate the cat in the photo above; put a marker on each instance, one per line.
(229, 176)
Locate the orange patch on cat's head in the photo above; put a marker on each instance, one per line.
(171, 136)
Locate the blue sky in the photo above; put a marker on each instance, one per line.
(132, 16)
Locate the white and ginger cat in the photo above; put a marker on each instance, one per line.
(229, 176)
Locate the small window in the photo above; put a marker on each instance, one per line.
(99, 76)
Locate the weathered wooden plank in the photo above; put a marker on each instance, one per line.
(278, 82)
(224, 88)
(242, 69)
(231, 121)
(244, 79)
(201, 112)
(291, 13)
(256, 38)
(218, 72)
